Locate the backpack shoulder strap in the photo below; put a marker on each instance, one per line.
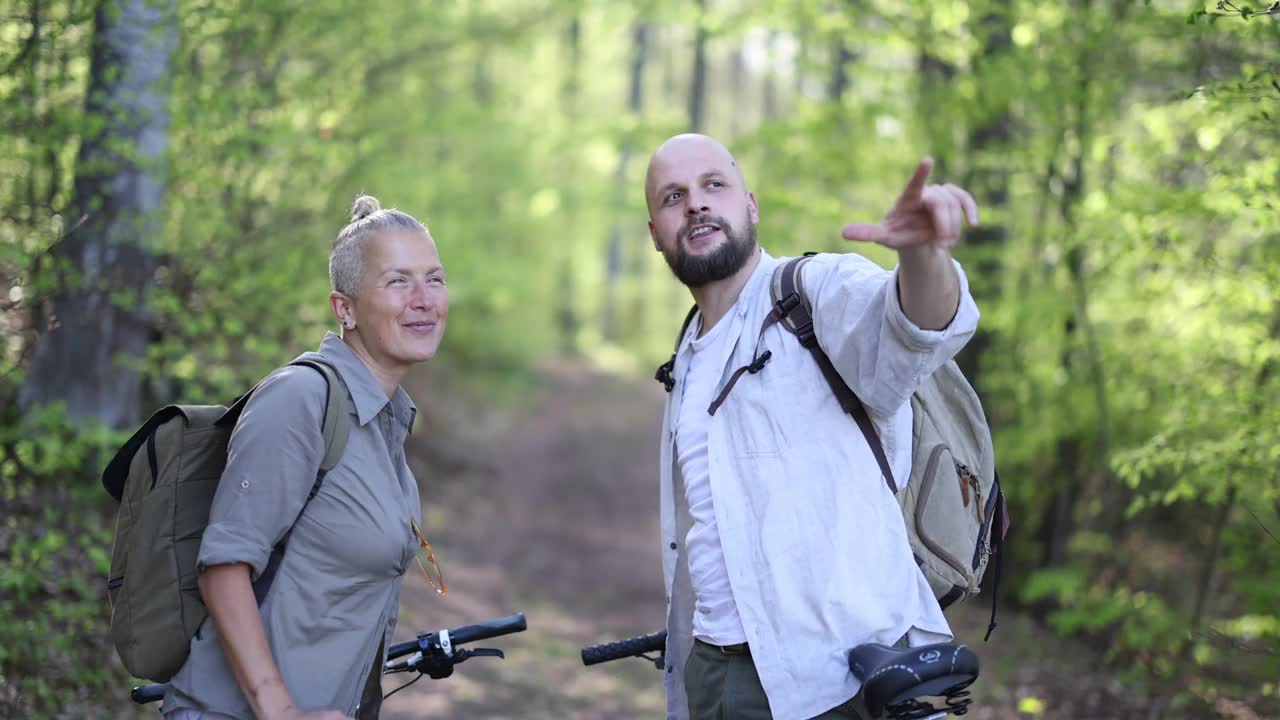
(788, 294)
(117, 470)
(665, 370)
(336, 425)
(789, 297)
(336, 428)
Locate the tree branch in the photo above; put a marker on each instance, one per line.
(1246, 12)
(1229, 9)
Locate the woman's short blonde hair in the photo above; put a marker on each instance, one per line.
(368, 219)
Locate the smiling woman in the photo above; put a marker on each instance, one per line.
(308, 628)
(389, 290)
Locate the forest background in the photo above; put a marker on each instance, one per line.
(172, 175)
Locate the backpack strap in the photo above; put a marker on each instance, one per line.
(999, 526)
(117, 470)
(791, 302)
(335, 426)
(665, 370)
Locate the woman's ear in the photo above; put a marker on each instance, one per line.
(343, 309)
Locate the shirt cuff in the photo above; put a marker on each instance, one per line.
(964, 321)
(227, 544)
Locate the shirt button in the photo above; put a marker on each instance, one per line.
(244, 484)
(673, 545)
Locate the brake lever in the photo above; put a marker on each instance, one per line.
(460, 655)
(438, 667)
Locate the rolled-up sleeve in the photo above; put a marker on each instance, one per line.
(273, 457)
(859, 323)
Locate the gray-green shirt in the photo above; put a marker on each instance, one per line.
(337, 590)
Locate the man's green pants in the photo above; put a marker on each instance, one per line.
(726, 687)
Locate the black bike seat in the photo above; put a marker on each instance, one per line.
(891, 675)
(150, 692)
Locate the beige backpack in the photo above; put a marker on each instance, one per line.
(954, 509)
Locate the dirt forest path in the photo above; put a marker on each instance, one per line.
(554, 514)
(553, 511)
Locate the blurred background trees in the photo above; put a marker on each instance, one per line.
(172, 174)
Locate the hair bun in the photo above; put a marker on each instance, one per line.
(364, 206)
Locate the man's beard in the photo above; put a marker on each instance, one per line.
(696, 271)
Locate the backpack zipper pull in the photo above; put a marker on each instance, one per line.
(977, 500)
(967, 475)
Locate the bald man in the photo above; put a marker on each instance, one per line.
(783, 546)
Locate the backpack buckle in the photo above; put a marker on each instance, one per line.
(758, 364)
(787, 304)
(807, 337)
(805, 332)
(664, 374)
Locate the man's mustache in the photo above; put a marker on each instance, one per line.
(683, 234)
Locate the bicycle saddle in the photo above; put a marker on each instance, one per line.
(891, 676)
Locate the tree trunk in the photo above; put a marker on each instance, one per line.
(568, 321)
(698, 81)
(770, 110)
(842, 55)
(1097, 481)
(31, 51)
(614, 264)
(1204, 585)
(740, 86)
(1058, 522)
(935, 77)
(1113, 493)
(988, 181)
(93, 310)
(481, 77)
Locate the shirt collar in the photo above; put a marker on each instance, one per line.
(367, 395)
(762, 275)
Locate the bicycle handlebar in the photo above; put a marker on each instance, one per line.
(437, 654)
(465, 634)
(631, 647)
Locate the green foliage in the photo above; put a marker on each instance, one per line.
(55, 544)
(1144, 632)
(1123, 158)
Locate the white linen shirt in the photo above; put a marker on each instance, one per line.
(813, 539)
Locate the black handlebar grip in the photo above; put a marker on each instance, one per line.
(401, 649)
(631, 647)
(151, 692)
(488, 629)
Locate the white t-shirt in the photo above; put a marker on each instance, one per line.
(715, 618)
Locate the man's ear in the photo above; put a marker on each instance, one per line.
(653, 235)
(753, 208)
